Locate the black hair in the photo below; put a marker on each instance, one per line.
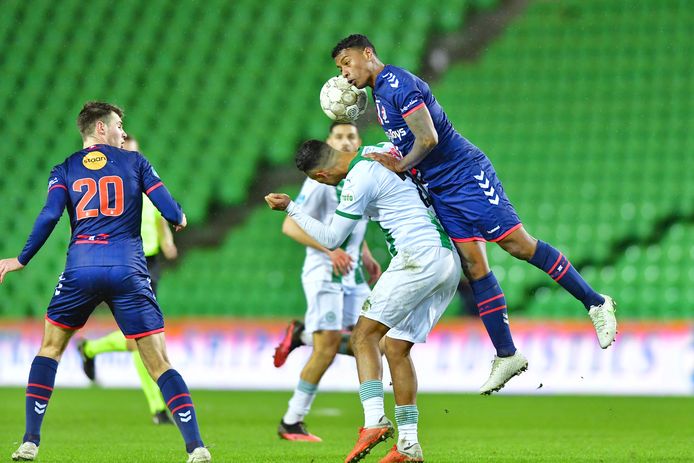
(311, 154)
(337, 123)
(353, 41)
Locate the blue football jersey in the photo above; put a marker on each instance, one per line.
(397, 94)
(105, 186)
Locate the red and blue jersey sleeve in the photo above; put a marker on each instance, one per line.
(405, 93)
(154, 188)
(49, 216)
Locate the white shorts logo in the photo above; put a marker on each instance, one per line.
(484, 184)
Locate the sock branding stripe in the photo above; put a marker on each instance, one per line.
(180, 407)
(406, 414)
(38, 396)
(555, 263)
(307, 387)
(176, 397)
(40, 386)
(370, 389)
(490, 300)
(568, 266)
(496, 309)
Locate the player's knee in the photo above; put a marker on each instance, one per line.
(52, 351)
(522, 250)
(396, 350)
(474, 270)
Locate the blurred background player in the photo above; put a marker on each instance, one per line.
(408, 299)
(101, 185)
(468, 198)
(335, 287)
(156, 239)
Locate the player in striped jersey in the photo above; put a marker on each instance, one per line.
(335, 287)
(408, 299)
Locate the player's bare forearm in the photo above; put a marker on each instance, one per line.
(426, 138)
(341, 261)
(9, 265)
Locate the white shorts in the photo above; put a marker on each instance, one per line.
(414, 291)
(332, 306)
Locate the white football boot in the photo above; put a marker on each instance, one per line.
(26, 452)
(503, 369)
(199, 455)
(604, 321)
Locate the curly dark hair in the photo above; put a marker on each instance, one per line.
(359, 41)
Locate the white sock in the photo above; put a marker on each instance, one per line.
(300, 403)
(373, 411)
(407, 417)
(306, 338)
(408, 434)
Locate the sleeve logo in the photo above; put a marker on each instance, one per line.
(409, 105)
(392, 80)
(347, 196)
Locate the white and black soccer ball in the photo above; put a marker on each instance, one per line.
(342, 101)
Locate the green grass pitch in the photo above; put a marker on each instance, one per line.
(106, 425)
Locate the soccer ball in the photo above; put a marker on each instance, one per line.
(341, 101)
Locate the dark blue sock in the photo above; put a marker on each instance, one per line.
(492, 307)
(39, 390)
(557, 266)
(178, 399)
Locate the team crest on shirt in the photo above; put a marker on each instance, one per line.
(94, 160)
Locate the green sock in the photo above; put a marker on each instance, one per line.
(149, 387)
(113, 342)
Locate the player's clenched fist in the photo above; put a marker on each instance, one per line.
(278, 201)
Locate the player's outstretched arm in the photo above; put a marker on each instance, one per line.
(9, 265)
(341, 261)
(45, 222)
(331, 236)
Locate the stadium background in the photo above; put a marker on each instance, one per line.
(584, 108)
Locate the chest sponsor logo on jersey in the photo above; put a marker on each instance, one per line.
(94, 160)
(398, 134)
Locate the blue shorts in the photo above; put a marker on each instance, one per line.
(126, 291)
(472, 206)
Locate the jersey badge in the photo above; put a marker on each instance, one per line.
(94, 160)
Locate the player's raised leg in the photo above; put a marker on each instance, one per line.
(40, 388)
(377, 428)
(152, 349)
(404, 378)
(491, 304)
(325, 346)
(544, 256)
